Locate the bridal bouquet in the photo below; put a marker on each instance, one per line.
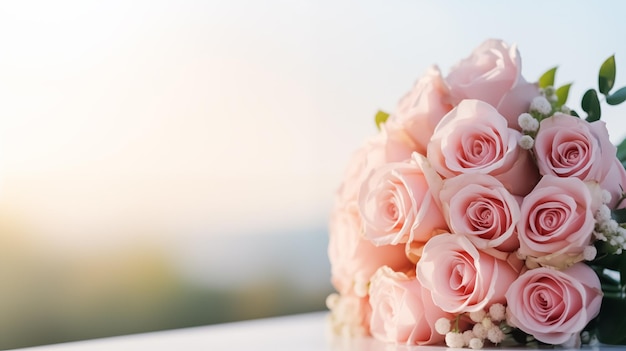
(484, 211)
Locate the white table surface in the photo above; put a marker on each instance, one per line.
(297, 332)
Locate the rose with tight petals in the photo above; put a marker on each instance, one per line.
(568, 146)
(460, 277)
(403, 310)
(479, 207)
(422, 108)
(353, 258)
(474, 138)
(397, 205)
(492, 73)
(554, 306)
(557, 222)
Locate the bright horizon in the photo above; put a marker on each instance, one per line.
(223, 117)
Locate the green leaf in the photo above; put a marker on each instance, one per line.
(547, 79)
(621, 151)
(617, 97)
(606, 77)
(591, 105)
(562, 93)
(380, 118)
(574, 113)
(611, 323)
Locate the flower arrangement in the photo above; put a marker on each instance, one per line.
(484, 211)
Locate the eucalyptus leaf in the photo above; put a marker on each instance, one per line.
(621, 151)
(547, 79)
(591, 105)
(606, 77)
(380, 118)
(617, 97)
(562, 93)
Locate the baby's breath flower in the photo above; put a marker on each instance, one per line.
(590, 252)
(487, 323)
(495, 335)
(606, 196)
(497, 312)
(443, 326)
(566, 110)
(454, 340)
(526, 142)
(527, 122)
(479, 331)
(476, 343)
(467, 336)
(542, 105)
(477, 316)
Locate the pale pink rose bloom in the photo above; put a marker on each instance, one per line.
(557, 222)
(474, 138)
(492, 73)
(422, 108)
(479, 207)
(615, 183)
(402, 310)
(460, 277)
(353, 258)
(554, 306)
(567, 146)
(397, 205)
(390, 145)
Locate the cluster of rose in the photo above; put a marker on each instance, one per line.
(483, 211)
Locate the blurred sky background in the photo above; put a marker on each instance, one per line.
(155, 152)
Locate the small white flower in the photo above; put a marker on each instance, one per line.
(541, 104)
(476, 344)
(454, 340)
(332, 300)
(479, 331)
(495, 335)
(487, 323)
(497, 311)
(443, 326)
(590, 252)
(549, 90)
(566, 110)
(527, 122)
(467, 336)
(526, 142)
(477, 316)
(606, 196)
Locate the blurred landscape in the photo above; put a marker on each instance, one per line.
(48, 296)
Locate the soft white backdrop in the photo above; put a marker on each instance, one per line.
(183, 122)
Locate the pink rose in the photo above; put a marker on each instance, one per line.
(554, 306)
(422, 108)
(567, 146)
(392, 145)
(397, 205)
(402, 310)
(353, 258)
(474, 138)
(460, 277)
(479, 207)
(492, 73)
(557, 222)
